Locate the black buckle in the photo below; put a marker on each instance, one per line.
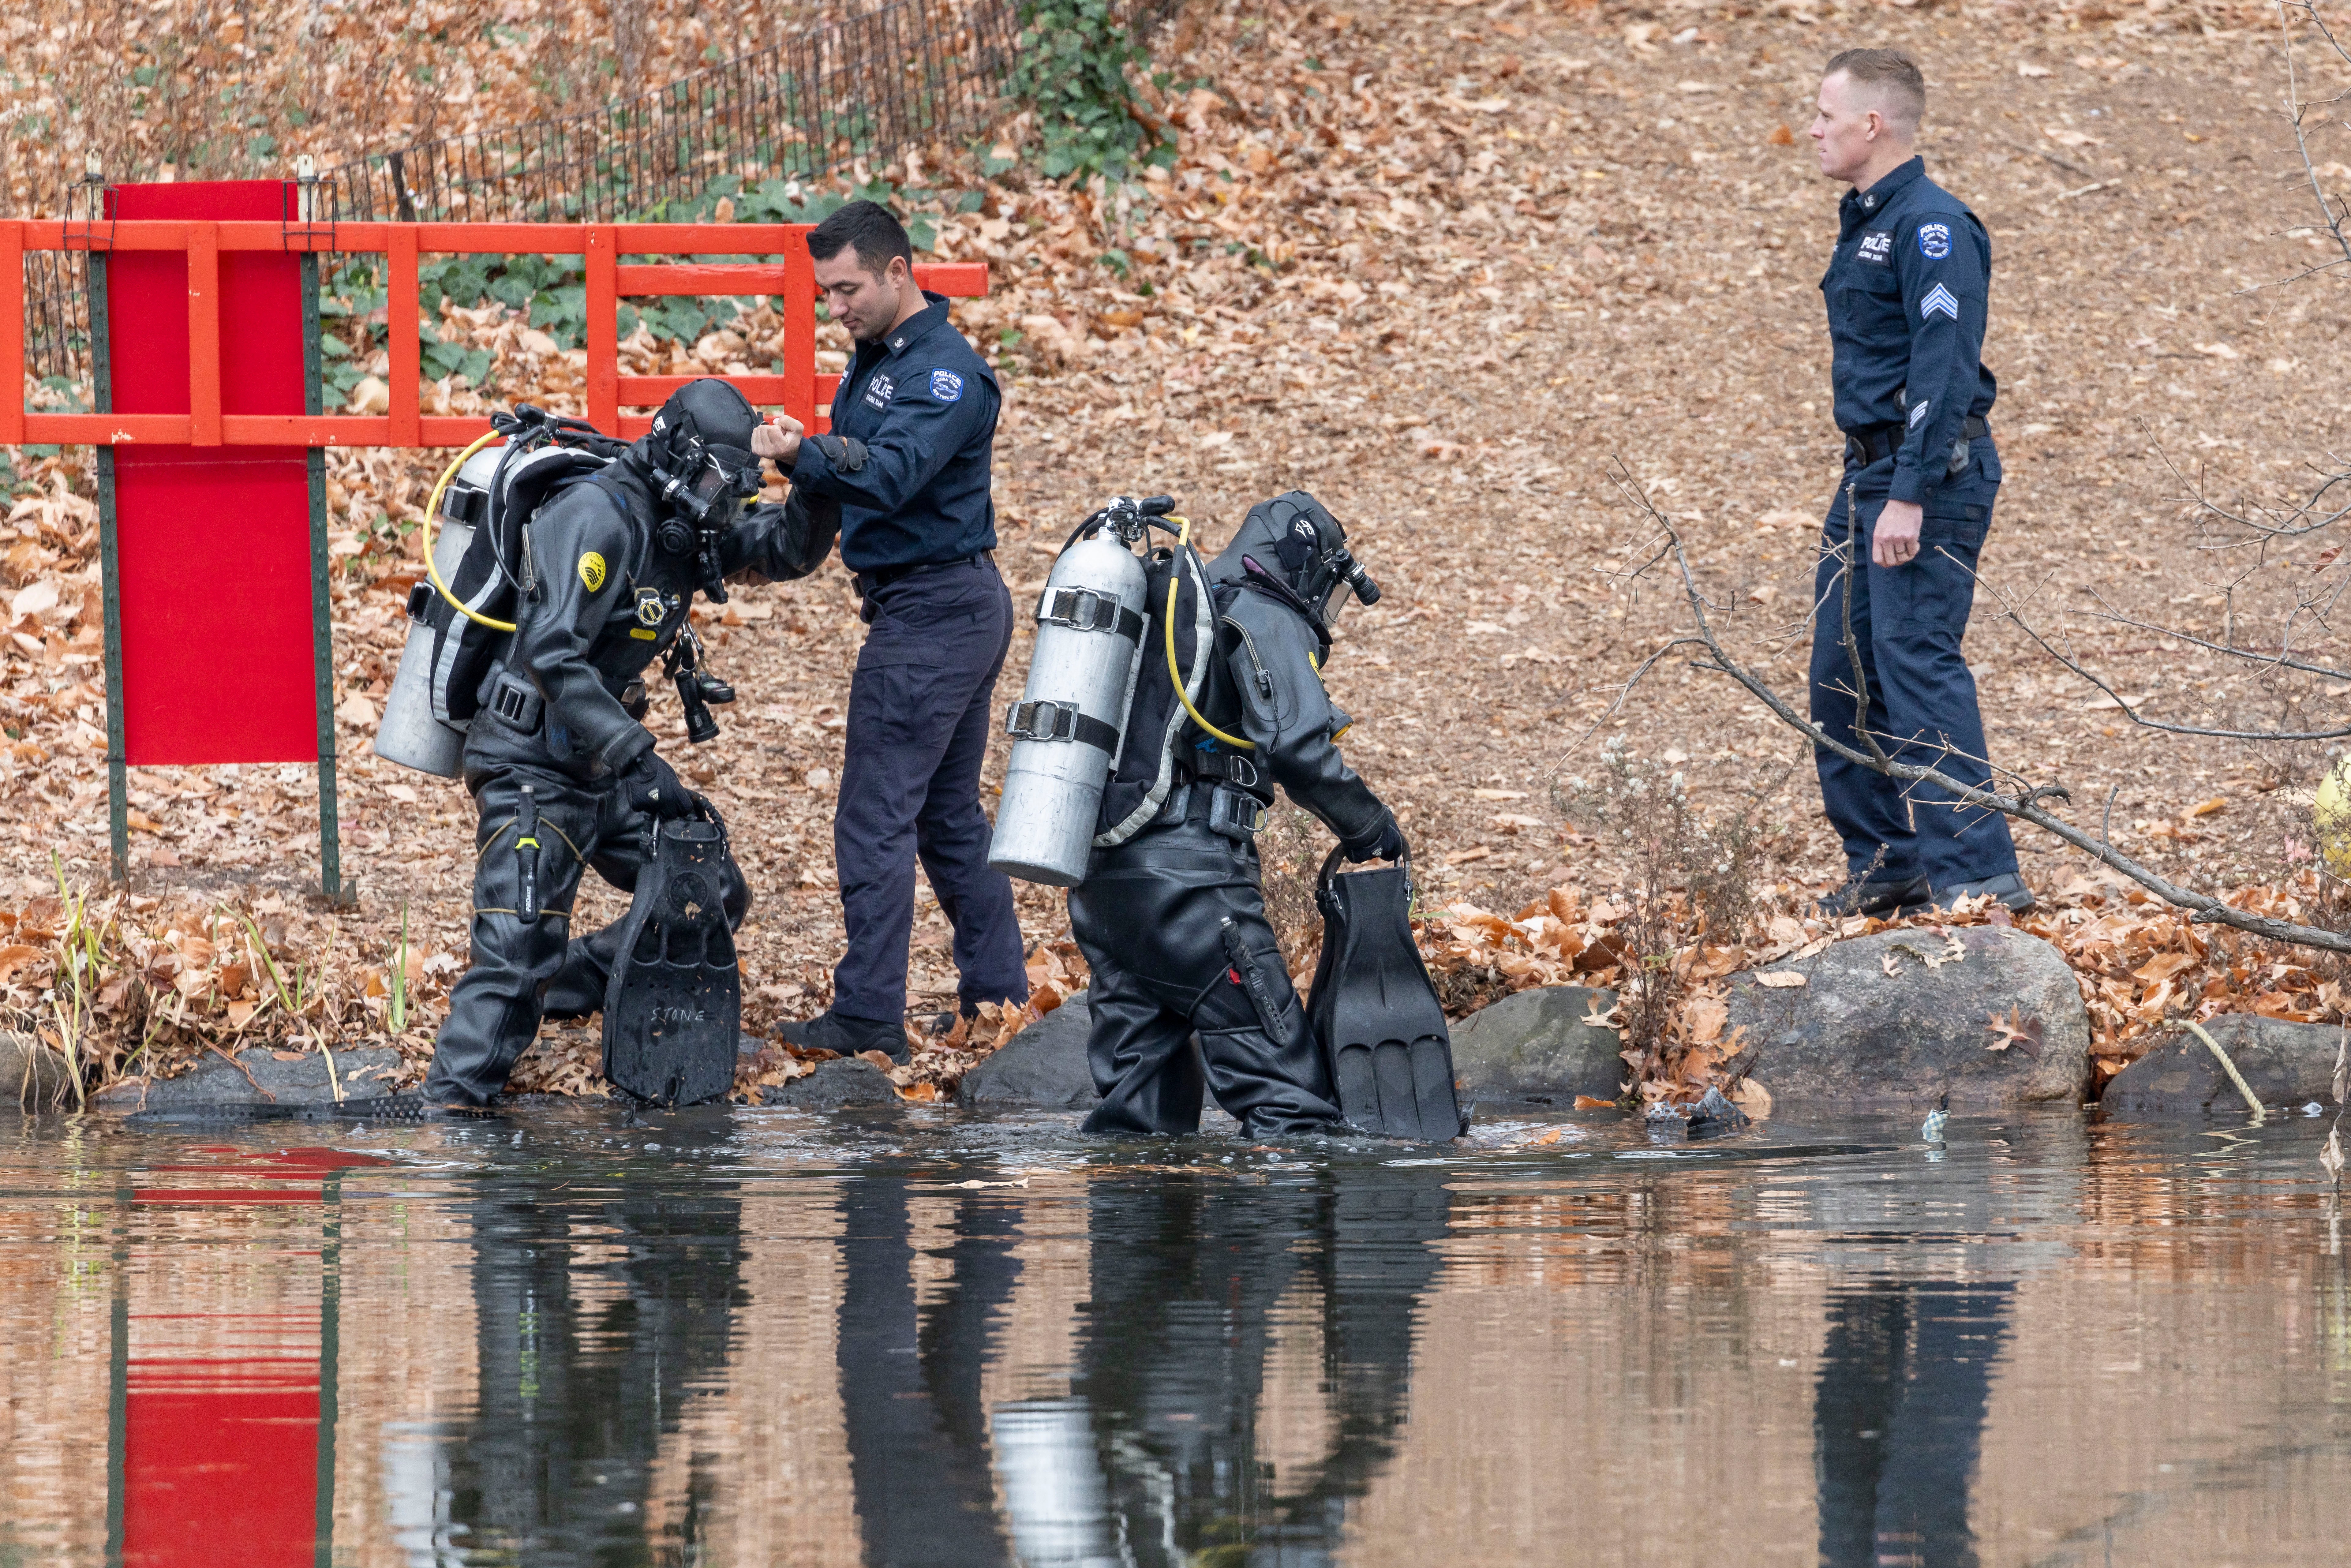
(1058, 721)
(515, 703)
(1236, 815)
(1082, 609)
(419, 602)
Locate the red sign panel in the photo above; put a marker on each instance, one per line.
(214, 542)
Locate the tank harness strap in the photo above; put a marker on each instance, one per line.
(1227, 767)
(1083, 610)
(1058, 721)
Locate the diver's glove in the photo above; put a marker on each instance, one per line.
(1384, 842)
(652, 785)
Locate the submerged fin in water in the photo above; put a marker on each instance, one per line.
(1375, 1011)
(674, 1006)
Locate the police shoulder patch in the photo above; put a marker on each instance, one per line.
(1934, 241)
(945, 385)
(591, 570)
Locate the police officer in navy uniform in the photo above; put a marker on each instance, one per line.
(907, 460)
(1908, 290)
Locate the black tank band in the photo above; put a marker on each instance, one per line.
(1058, 721)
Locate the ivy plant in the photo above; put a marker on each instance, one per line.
(1070, 68)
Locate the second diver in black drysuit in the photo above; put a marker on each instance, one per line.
(1171, 914)
(556, 753)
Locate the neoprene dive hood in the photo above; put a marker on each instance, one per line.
(1296, 548)
(699, 453)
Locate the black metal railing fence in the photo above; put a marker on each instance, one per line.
(867, 86)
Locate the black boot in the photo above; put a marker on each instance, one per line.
(829, 1030)
(1885, 897)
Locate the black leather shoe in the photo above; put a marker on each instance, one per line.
(829, 1030)
(1882, 897)
(2008, 887)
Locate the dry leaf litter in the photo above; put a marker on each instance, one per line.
(1438, 265)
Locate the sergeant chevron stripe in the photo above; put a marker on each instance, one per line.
(1939, 299)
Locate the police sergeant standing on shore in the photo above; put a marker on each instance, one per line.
(1908, 291)
(908, 463)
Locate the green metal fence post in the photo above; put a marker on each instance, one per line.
(117, 780)
(322, 624)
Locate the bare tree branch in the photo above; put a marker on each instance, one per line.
(2023, 806)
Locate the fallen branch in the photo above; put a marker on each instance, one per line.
(2024, 806)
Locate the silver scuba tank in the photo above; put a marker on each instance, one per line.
(1071, 715)
(410, 734)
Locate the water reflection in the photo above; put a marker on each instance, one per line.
(583, 1341)
(1194, 1284)
(594, 1318)
(910, 1376)
(1905, 1377)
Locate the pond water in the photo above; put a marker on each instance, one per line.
(576, 1336)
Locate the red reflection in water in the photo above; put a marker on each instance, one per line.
(221, 1415)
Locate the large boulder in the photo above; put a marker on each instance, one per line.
(259, 1075)
(845, 1081)
(1987, 1014)
(2284, 1064)
(1042, 1067)
(32, 1075)
(1536, 1046)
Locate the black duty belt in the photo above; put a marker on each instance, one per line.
(883, 575)
(1879, 441)
(1058, 721)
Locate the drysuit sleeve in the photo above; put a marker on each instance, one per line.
(1286, 714)
(927, 421)
(774, 543)
(579, 546)
(1944, 262)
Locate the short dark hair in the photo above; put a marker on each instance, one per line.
(1891, 76)
(867, 227)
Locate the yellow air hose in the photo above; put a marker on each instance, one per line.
(432, 513)
(1175, 583)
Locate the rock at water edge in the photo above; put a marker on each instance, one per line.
(2283, 1063)
(262, 1076)
(32, 1075)
(845, 1081)
(1987, 1014)
(1043, 1067)
(1536, 1046)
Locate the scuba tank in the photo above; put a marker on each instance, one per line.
(1069, 723)
(480, 566)
(409, 733)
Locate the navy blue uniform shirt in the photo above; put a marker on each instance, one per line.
(1909, 287)
(923, 407)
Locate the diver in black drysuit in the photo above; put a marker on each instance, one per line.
(617, 560)
(1171, 916)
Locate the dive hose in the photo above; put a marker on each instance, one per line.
(1175, 582)
(433, 511)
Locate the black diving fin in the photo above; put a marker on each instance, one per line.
(673, 1005)
(1375, 1011)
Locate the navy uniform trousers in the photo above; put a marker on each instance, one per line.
(921, 707)
(1907, 623)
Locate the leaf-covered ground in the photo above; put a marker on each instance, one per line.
(1438, 264)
